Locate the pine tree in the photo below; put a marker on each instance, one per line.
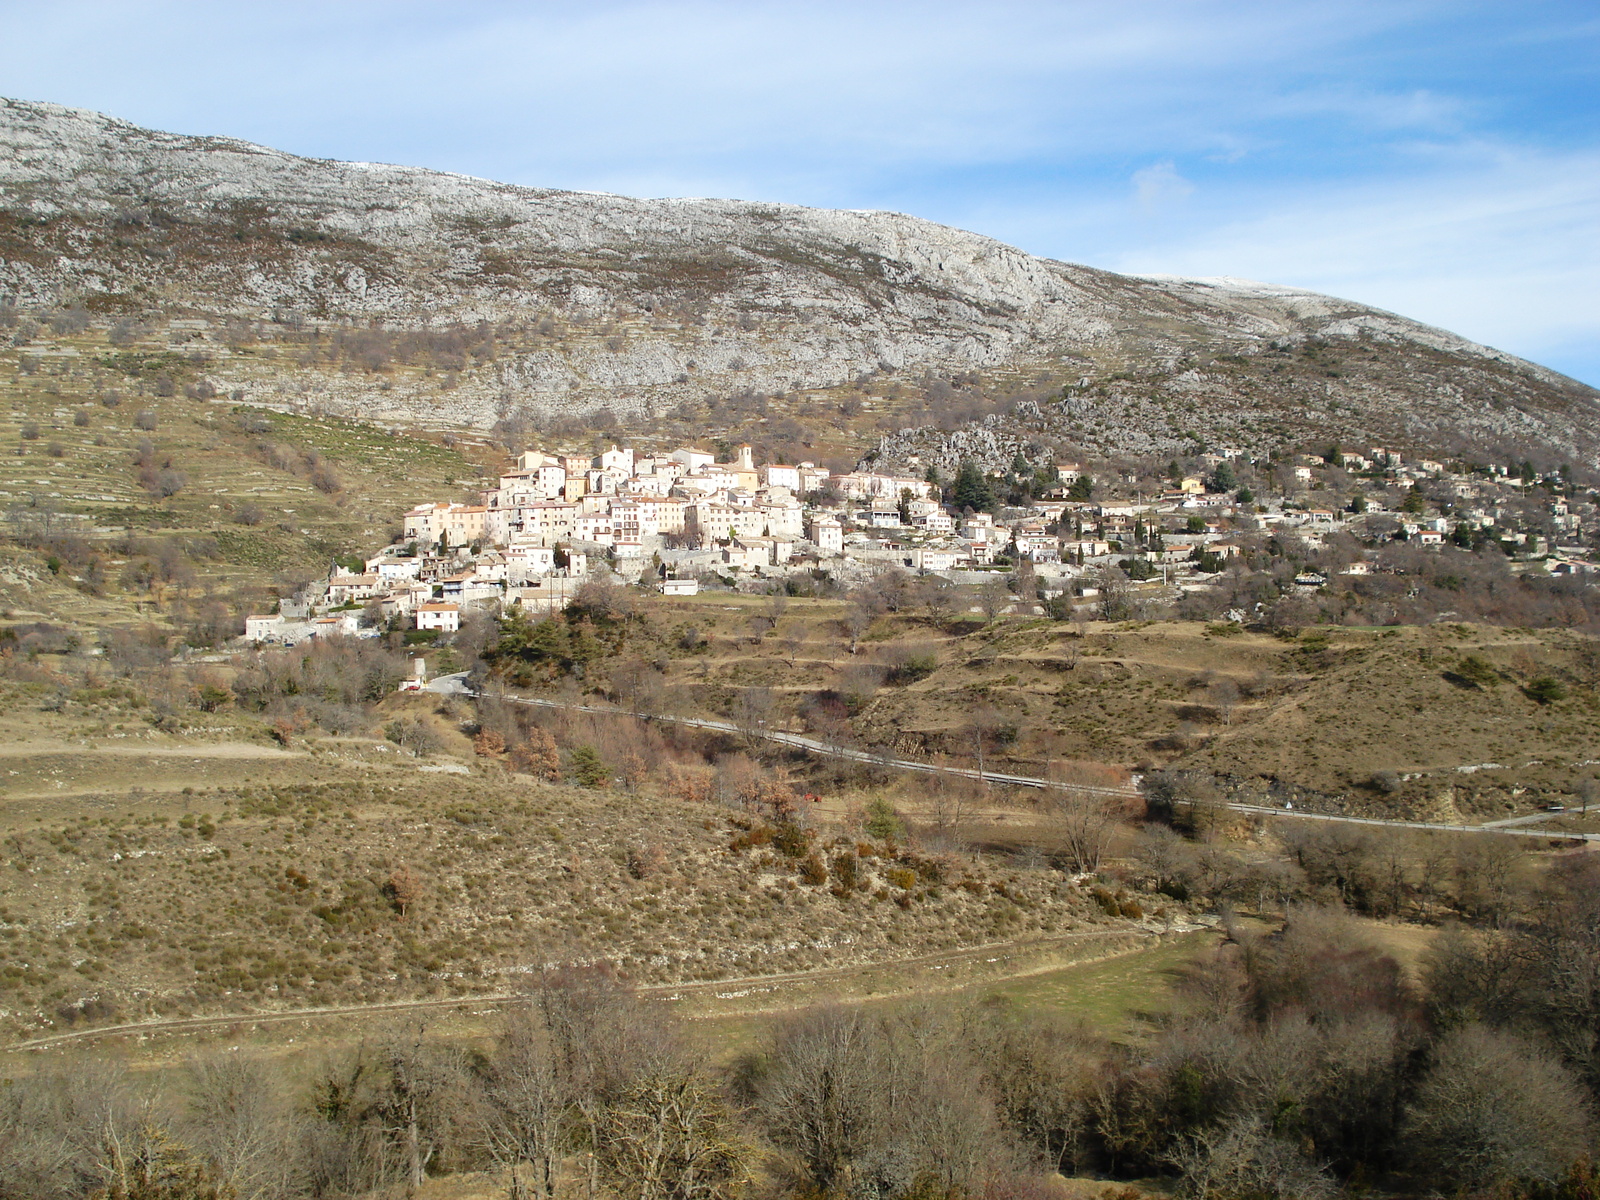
(972, 489)
(587, 767)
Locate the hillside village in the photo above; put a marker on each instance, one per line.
(685, 520)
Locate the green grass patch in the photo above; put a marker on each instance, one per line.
(1120, 996)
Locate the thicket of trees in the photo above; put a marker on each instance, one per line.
(1299, 1065)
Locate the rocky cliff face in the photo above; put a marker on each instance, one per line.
(639, 306)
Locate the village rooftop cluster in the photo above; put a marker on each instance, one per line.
(685, 520)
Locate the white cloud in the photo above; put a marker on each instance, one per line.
(1336, 146)
(1159, 187)
(1504, 247)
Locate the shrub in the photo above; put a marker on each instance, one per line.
(1545, 690)
(813, 872)
(761, 835)
(1476, 672)
(1107, 900)
(144, 419)
(882, 822)
(30, 432)
(790, 840)
(645, 861)
(903, 878)
(846, 869)
(588, 769)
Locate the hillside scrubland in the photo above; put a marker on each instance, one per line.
(224, 369)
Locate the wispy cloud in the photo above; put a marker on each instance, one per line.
(1503, 248)
(1159, 187)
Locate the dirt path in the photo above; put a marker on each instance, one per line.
(37, 747)
(756, 993)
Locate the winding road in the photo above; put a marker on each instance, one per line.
(816, 746)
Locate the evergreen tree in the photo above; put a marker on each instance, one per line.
(588, 768)
(972, 489)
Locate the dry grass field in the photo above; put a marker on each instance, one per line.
(170, 875)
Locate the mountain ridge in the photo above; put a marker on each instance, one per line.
(640, 307)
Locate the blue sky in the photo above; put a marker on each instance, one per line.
(1441, 159)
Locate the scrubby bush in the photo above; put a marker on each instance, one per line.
(584, 766)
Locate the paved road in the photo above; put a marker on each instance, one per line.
(815, 746)
(906, 764)
(1495, 828)
(1532, 819)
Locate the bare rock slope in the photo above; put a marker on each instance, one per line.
(637, 306)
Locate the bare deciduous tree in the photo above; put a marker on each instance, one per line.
(1241, 1157)
(524, 1102)
(1167, 859)
(1488, 871)
(1084, 824)
(236, 1120)
(819, 1100)
(1494, 1109)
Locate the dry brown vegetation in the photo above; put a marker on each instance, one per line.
(167, 502)
(1302, 1062)
(264, 862)
(390, 880)
(1366, 721)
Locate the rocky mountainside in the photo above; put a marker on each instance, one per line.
(507, 299)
